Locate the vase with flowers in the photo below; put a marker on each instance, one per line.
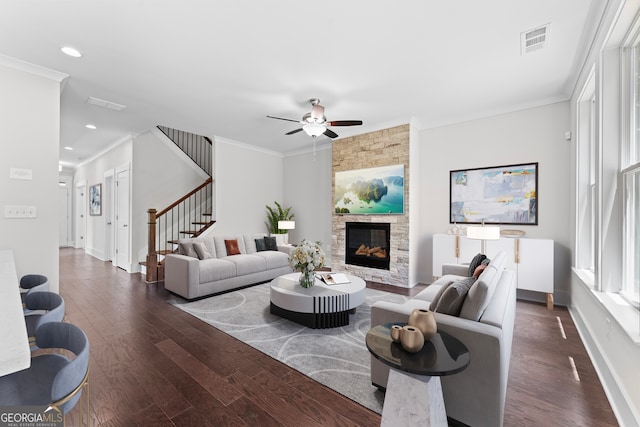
(306, 257)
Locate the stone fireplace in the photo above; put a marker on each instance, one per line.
(367, 244)
(381, 148)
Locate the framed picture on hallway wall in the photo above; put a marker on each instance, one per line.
(95, 200)
(496, 195)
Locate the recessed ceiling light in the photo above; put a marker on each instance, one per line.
(68, 148)
(90, 126)
(71, 51)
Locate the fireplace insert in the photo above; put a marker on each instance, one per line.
(367, 244)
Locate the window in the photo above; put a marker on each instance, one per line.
(630, 178)
(631, 282)
(587, 180)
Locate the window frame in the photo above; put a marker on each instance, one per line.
(629, 174)
(587, 182)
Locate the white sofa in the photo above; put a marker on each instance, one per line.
(475, 396)
(192, 277)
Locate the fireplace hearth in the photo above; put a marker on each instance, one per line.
(367, 244)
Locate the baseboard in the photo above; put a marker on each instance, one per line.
(95, 253)
(616, 396)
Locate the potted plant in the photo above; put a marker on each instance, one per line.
(274, 215)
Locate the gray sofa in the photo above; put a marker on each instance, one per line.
(189, 276)
(475, 396)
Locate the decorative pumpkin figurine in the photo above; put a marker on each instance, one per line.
(425, 321)
(396, 331)
(411, 339)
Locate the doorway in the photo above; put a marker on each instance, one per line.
(122, 219)
(108, 209)
(64, 212)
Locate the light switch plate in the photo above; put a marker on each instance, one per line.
(17, 173)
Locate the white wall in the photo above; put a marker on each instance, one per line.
(161, 175)
(30, 123)
(246, 180)
(307, 189)
(532, 135)
(415, 190)
(92, 172)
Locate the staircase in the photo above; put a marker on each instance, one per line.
(188, 216)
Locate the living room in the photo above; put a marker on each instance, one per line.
(545, 133)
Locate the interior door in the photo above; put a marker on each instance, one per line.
(122, 219)
(107, 208)
(63, 215)
(81, 215)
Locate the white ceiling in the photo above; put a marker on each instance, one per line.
(217, 68)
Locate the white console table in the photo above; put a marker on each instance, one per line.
(531, 259)
(15, 354)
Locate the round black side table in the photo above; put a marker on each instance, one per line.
(414, 392)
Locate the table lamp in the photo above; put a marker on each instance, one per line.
(483, 233)
(286, 225)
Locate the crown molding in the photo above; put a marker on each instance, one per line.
(37, 70)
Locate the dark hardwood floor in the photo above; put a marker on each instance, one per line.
(154, 365)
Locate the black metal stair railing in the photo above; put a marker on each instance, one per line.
(199, 148)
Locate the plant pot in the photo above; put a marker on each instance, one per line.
(425, 321)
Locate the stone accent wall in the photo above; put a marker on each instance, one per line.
(382, 148)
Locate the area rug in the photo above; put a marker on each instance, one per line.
(337, 358)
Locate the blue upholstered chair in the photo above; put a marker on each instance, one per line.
(30, 283)
(53, 379)
(42, 307)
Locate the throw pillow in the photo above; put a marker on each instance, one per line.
(260, 245)
(434, 302)
(232, 247)
(186, 248)
(201, 250)
(475, 262)
(479, 270)
(270, 243)
(453, 297)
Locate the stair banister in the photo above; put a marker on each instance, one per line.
(185, 197)
(153, 272)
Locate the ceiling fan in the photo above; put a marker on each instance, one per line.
(314, 123)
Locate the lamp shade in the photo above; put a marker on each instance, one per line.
(286, 225)
(487, 232)
(314, 129)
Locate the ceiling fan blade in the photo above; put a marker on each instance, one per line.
(280, 118)
(293, 131)
(345, 123)
(330, 133)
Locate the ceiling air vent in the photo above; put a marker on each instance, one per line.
(534, 39)
(106, 104)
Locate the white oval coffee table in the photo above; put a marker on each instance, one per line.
(320, 306)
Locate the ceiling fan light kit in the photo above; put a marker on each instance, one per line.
(314, 123)
(314, 129)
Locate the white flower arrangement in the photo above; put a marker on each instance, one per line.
(307, 256)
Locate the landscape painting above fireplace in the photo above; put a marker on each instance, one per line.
(370, 191)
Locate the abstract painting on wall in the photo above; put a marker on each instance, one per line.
(95, 199)
(372, 191)
(495, 195)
